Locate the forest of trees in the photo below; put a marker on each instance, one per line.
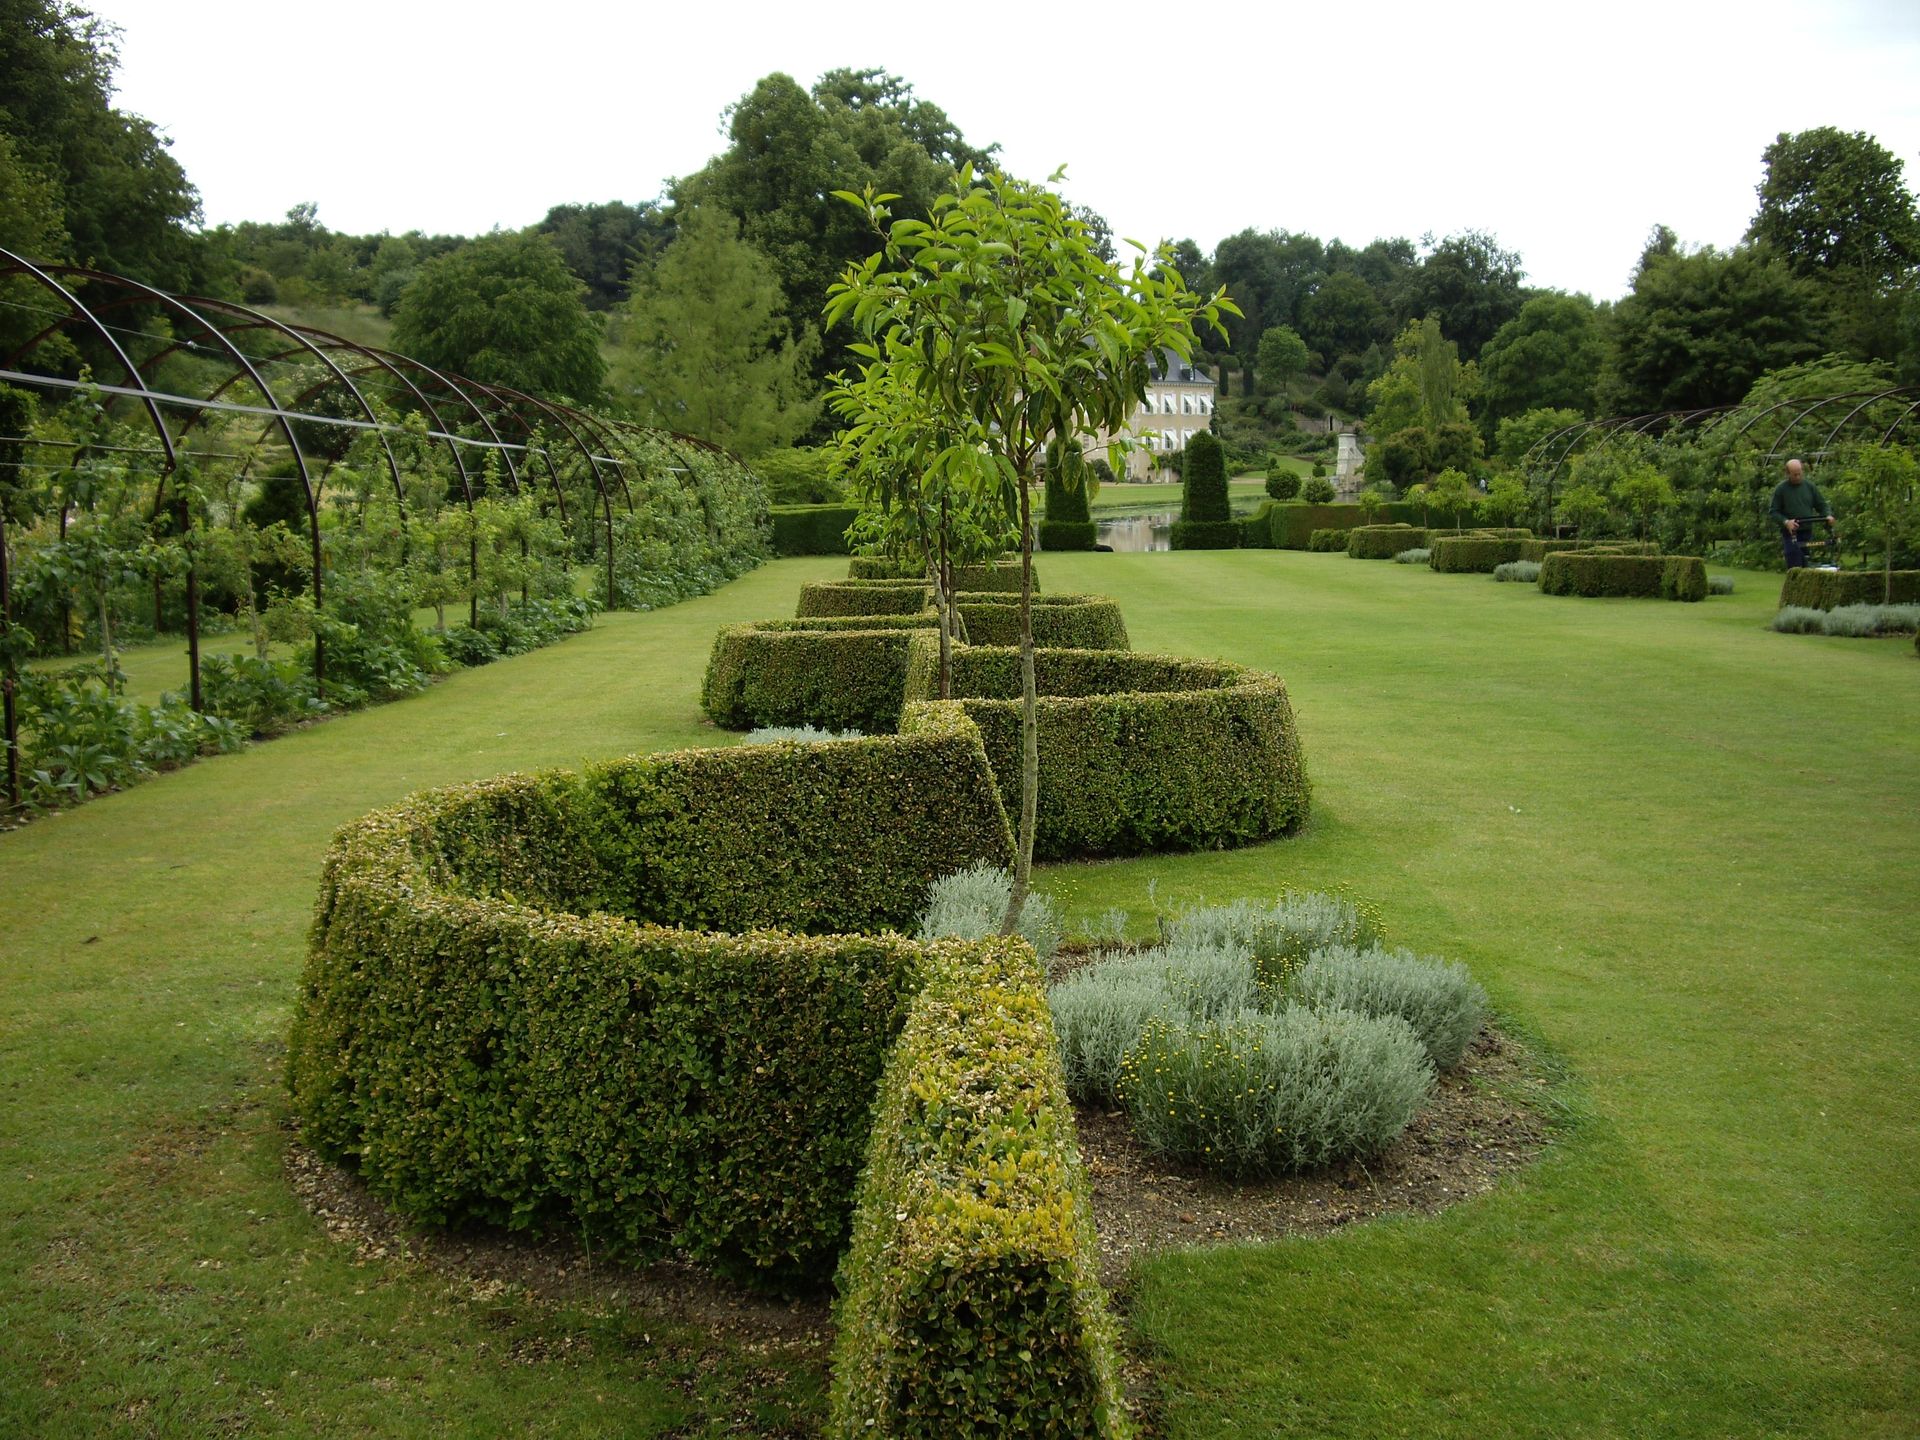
(717, 285)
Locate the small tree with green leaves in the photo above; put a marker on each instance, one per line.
(1317, 491)
(1506, 500)
(1002, 319)
(1883, 488)
(1584, 508)
(1644, 493)
(1452, 492)
(1283, 355)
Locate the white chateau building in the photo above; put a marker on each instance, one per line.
(1178, 405)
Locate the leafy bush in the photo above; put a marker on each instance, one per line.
(1439, 999)
(1262, 1093)
(261, 696)
(1100, 1010)
(837, 678)
(971, 903)
(79, 738)
(1594, 573)
(969, 1299)
(484, 1032)
(1383, 542)
(1417, 556)
(1856, 621)
(1828, 589)
(1279, 937)
(811, 529)
(469, 647)
(1328, 542)
(1137, 752)
(1318, 490)
(1523, 572)
(799, 476)
(1205, 535)
(1472, 554)
(1282, 484)
(1720, 585)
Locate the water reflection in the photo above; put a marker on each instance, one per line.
(1131, 534)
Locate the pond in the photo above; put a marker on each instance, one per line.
(1130, 534)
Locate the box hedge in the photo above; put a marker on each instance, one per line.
(863, 597)
(1293, 522)
(839, 678)
(1072, 622)
(1383, 542)
(969, 1299)
(1829, 589)
(1472, 554)
(1595, 573)
(1328, 542)
(1058, 535)
(498, 1025)
(1137, 752)
(1205, 535)
(811, 529)
(1002, 575)
(1256, 530)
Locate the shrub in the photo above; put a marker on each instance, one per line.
(969, 1303)
(970, 904)
(1283, 484)
(811, 529)
(1098, 1013)
(863, 597)
(1279, 937)
(1827, 589)
(1439, 999)
(1205, 535)
(1002, 575)
(1061, 535)
(1857, 621)
(837, 678)
(1472, 554)
(1137, 752)
(1065, 622)
(1256, 530)
(1204, 493)
(799, 476)
(1720, 585)
(1383, 542)
(1523, 572)
(1318, 490)
(801, 734)
(1328, 542)
(1260, 1093)
(489, 1026)
(1593, 573)
(1419, 556)
(1539, 549)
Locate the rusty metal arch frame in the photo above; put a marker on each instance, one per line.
(560, 415)
(1874, 399)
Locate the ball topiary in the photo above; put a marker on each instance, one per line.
(1318, 491)
(1283, 485)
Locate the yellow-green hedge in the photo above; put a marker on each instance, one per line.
(811, 529)
(1137, 752)
(970, 1304)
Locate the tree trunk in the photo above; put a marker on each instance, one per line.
(943, 589)
(106, 637)
(9, 720)
(1029, 727)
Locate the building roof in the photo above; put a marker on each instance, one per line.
(1166, 365)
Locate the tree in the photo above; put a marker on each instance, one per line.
(1469, 282)
(1643, 492)
(1584, 508)
(1835, 204)
(1342, 316)
(603, 243)
(702, 344)
(1283, 355)
(1506, 500)
(1698, 329)
(504, 311)
(1452, 492)
(1882, 486)
(997, 319)
(1519, 434)
(1546, 357)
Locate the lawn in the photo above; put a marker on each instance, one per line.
(1122, 498)
(1678, 848)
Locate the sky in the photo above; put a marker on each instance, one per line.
(1567, 130)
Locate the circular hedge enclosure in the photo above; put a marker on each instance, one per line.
(502, 1019)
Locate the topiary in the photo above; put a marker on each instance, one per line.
(1283, 485)
(1205, 475)
(1317, 491)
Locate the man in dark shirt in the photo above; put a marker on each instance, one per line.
(1797, 503)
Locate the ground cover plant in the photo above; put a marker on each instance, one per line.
(1741, 1056)
(1858, 621)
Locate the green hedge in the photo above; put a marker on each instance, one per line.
(1003, 575)
(1256, 530)
(1588, 572)
(489, 1026)
(1137, 752)
(1327, 542)
(1828, 589)
(1072, 622)
(970, 1304)
(1293, 521)
(863, 597)
(1538, 550)
(811, 529)
(837, 678)
(1206, 535)
(1472, 554)
(1383, 542)
(1055, 535)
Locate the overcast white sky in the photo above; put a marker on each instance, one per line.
(1567, 130)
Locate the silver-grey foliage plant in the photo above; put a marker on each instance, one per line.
(970, 904)
(1443, 1003)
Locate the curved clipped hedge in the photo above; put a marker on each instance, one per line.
(1073, 622)
(811, 529)
(1002, 575)
(496, 1024)
(1595, 573)
(863, 597)
(1472, 554)
(1383, 542)
(1328, 542)
(969, 1298)
(1137, 752)
(1829, 589)
(843, 677)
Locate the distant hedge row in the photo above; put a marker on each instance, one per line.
(811, 529)
(1292, 523)
(969, 1298)
(1383, 542)
(1830, 589)
(1595, 573)
(491, 1028)
(1137, 752)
